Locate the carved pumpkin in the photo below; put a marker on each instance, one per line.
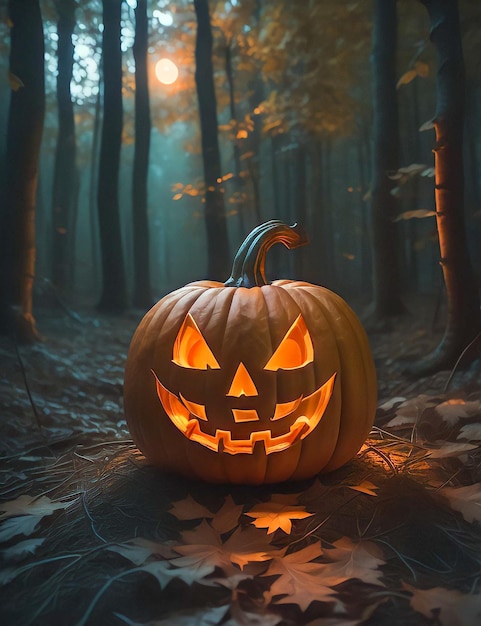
(250, 382)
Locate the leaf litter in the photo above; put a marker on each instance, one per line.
(105, 539)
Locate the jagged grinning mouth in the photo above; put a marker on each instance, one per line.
(188, 424)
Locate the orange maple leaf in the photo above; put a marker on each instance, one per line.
(275, 515)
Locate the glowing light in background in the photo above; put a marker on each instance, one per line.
(164, 17)
(166, 71)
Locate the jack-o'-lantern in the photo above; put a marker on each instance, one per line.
(250, 382)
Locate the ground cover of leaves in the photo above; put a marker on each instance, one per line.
(90, 534)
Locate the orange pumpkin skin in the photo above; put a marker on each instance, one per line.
(250, 411)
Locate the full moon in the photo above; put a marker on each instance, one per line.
(166, 71)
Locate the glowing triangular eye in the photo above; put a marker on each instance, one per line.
(294, 351)
(191, 349)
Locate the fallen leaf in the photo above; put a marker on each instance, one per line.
(360, 560)
(275, 515)
(139, 550)
(471, 432)
(29, 505)
(335, 621)
(389, 404)
(448, 448)
(410, 411)
(24, 513)
(188, 508)
(466, 499)
(22, 525)
(300, 581)
(239, 617)
(242, 547)
(21, 549)
(227, 517)
(365, 487)
(203, 617)
(455, 409)
(449, 607)
(190, 570)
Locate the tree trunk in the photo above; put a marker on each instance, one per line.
(24, 136)
(113, 298)
(463, 317)
(239, 183)
(386, 298)
(142, 296)
(93, 187)
(65, 185)
(300, 207)
(218, 258)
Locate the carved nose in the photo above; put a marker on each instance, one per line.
(242, 383)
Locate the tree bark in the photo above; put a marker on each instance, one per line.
(65, 184)
(239, 183)
(463, 316)
(218, 258)
(93, 187)
(142, 296)
(24, 136)
(113, 298)
(386, 297)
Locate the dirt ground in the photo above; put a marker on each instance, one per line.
(91, 534)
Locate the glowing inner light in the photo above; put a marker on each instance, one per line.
(166, 71)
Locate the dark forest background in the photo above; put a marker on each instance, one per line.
(315, 112)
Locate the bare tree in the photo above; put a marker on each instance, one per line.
(386, 288)
(65, 180)
(24, 136)
(463, 319)
(215, 219)
(142, 292)
(113, 298)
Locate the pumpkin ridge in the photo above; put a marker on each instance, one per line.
(310, 300)
(273, 297)
(174, 312)
(363, 388)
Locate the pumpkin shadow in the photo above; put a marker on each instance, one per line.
(421, 536)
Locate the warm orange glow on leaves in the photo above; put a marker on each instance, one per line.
(275, 515)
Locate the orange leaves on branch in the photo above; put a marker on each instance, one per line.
(420, 69)
(417, 213)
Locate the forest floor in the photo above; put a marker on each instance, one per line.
(90, 534)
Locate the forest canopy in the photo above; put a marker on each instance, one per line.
(294, 128)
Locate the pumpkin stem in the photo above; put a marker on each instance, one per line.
(248, 269)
